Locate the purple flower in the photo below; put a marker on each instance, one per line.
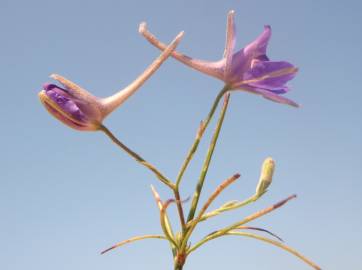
(80, 110)
(248, 69)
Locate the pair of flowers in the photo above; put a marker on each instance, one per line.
(248, 69)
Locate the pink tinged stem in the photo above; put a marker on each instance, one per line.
(157, 197)
(210, 68)
(230, 42)
(111, 103)
(264, 211)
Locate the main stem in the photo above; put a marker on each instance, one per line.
(138, 158)
(178, 267)
(179, 208)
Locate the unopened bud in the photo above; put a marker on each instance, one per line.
(266, 176)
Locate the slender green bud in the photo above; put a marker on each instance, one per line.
(266, 176)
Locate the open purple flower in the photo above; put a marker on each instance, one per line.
(248, 69)
(77, 108)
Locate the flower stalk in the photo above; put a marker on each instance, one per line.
(207, 161)
(138, 158)
(200, 132)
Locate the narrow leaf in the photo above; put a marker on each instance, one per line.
(278, 244)
(133, 239)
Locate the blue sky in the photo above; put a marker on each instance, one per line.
(67, 195)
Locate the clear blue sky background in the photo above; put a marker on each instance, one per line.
(66, 195)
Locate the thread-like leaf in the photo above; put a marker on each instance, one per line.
(134, 239)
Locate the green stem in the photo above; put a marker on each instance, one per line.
(178, 267)
(213, 196)
(207, 161)
(179, 208)
(204, 170)
(138, 158)
(191, 153)
(200, 132)
(179, 261)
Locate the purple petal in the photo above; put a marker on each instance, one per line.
(280, 99)
(263, 57)
(270, 95)
(50, 86)
(64, 101)
(258, 47)
(242, 59)
(270, 75)
(239, 65)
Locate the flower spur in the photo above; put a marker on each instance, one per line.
(248, 69)
(79, 109)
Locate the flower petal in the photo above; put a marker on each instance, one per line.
(64, 101)
(280, 99)
(270, 95)
(258, 47)
(242, 59)
(230, 43)
(270, 75)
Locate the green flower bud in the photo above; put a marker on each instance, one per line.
(266, 176)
